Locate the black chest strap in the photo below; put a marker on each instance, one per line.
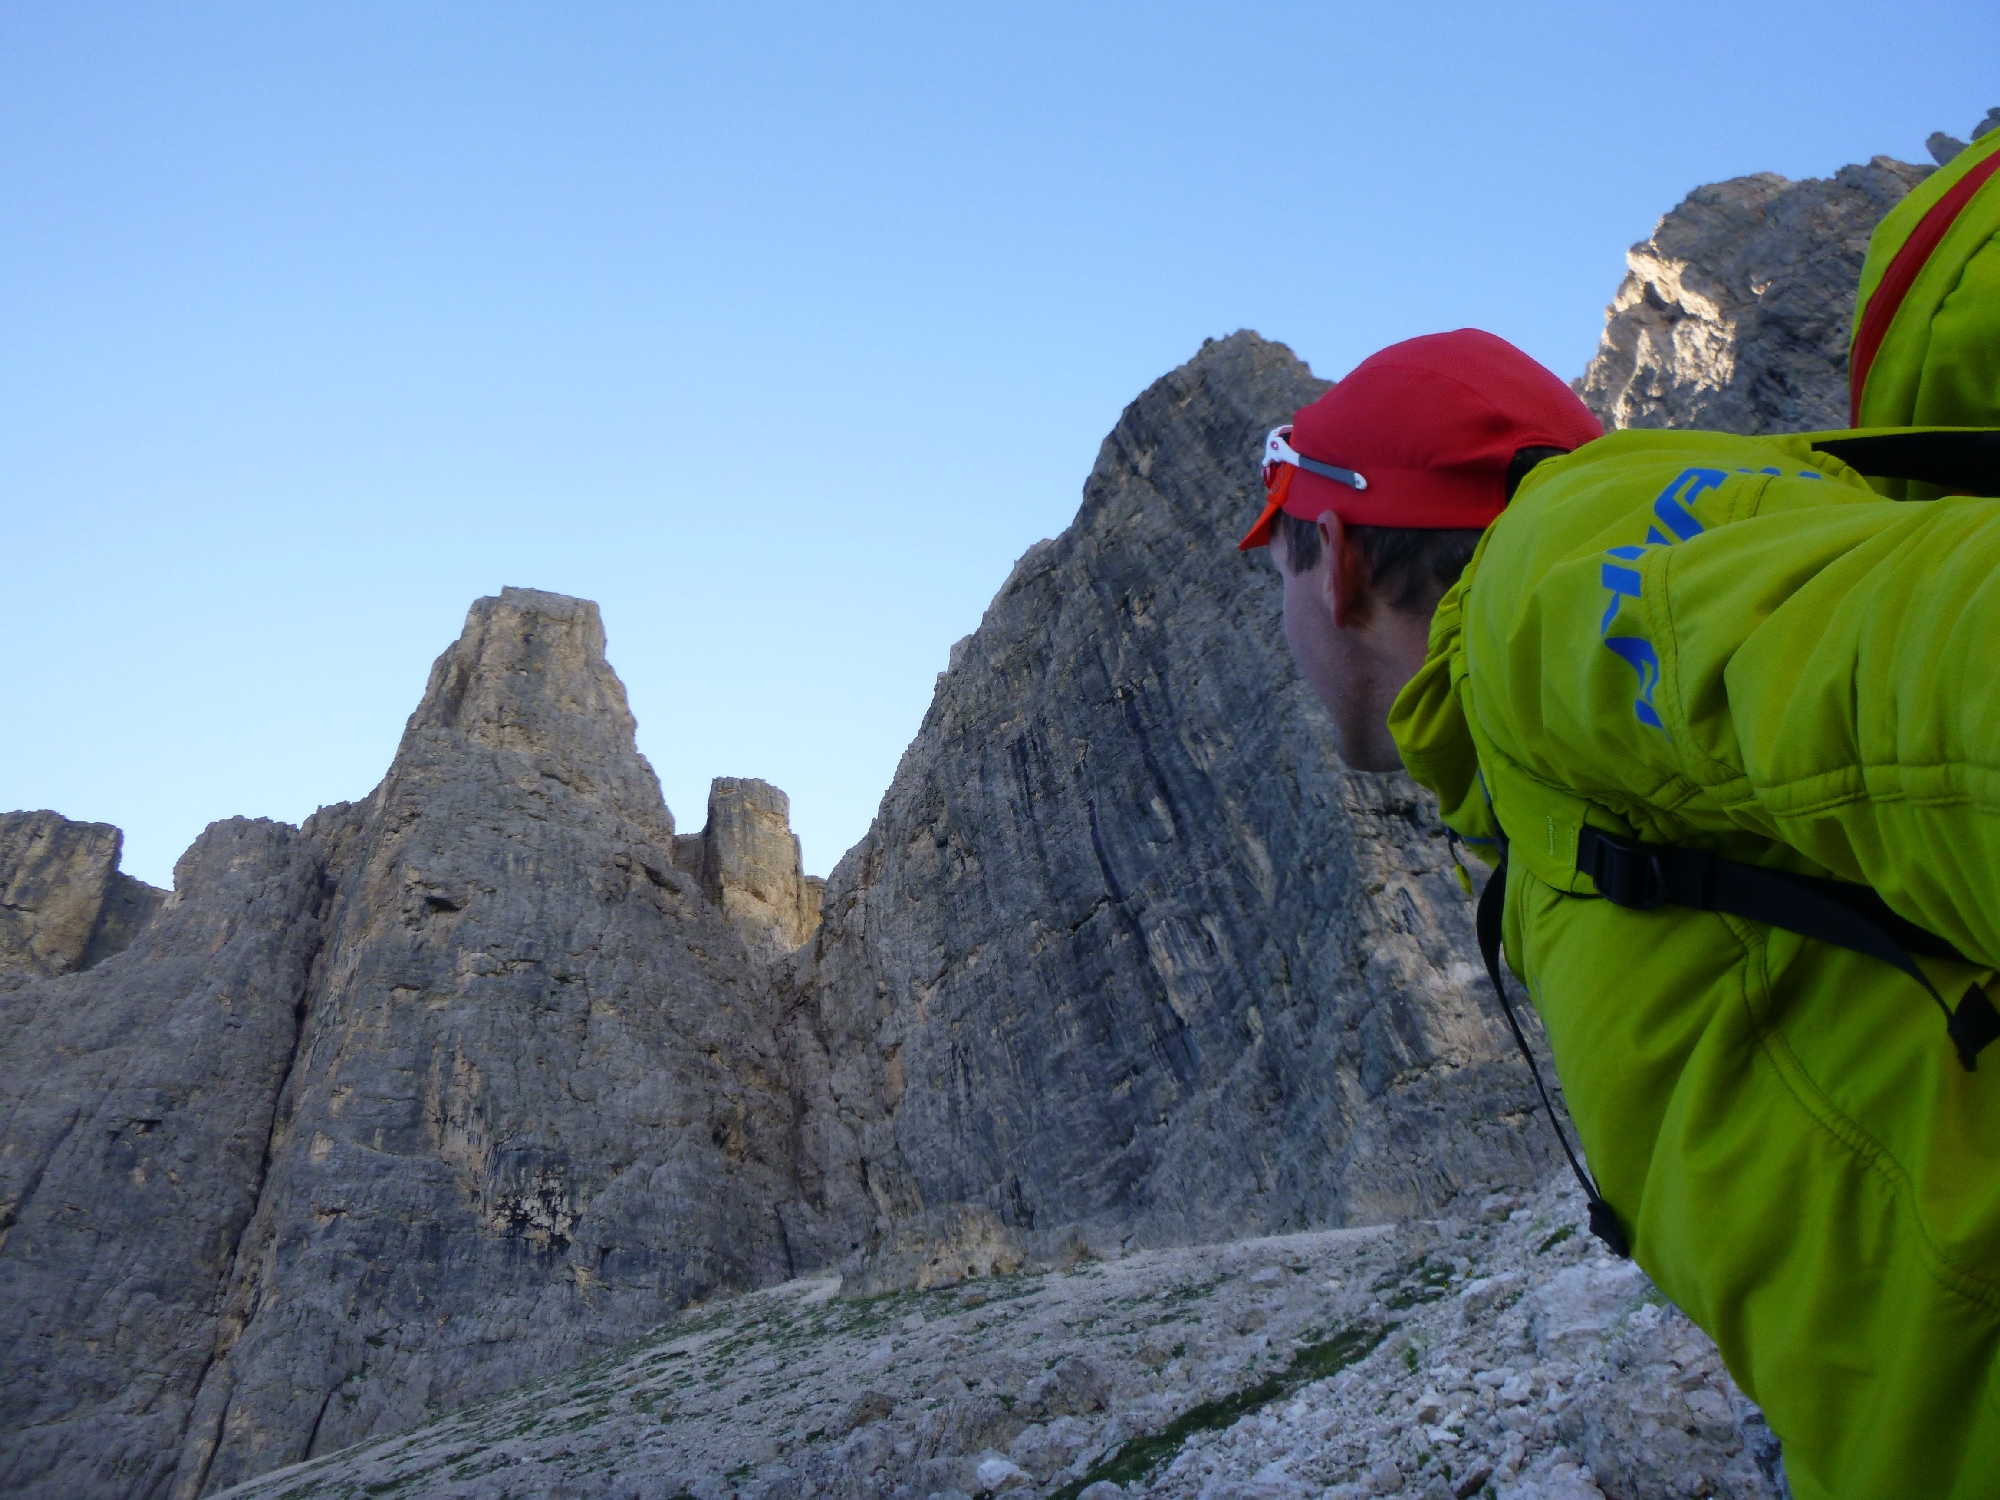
(1603, 1222)
(1642, 877)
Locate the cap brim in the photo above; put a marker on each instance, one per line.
(1260, 534)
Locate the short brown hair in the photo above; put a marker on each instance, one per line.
(1412, 567)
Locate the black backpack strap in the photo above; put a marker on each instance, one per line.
(1603, 1222)
(1643, 876)
(1966, 460)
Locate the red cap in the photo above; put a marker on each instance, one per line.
(1430, 425)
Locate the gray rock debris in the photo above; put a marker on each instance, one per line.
(1736, 314)
(1125, 948)
(1496, 1346)
(64, 903)
(1524, 1359)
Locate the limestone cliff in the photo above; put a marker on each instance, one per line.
(455, 1085)
(535, 1106)
(1736, 313)
(137, 1102)
(436, 1094)
(1125, 947)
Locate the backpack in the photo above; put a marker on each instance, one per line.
(1926, 349)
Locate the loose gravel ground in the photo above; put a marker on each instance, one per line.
(1496, 1352)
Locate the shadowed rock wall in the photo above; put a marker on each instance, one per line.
(1125, 947)
(137, 1101)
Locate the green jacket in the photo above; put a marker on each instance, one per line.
(1735, 643)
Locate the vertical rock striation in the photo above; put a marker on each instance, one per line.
(1125, 948)
(448, 1088)
(1735, 315)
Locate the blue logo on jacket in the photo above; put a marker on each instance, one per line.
(1623, 580)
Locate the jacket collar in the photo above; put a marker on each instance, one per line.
(1429, 726)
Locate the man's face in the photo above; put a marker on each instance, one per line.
(1332, 642)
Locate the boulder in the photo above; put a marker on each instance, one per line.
(1584, 1303)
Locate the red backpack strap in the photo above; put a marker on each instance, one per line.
(1902, 274)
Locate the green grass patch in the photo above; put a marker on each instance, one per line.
(1427, 1281)
(1331, 1356)
(1556, 1239)
(1136, 1458)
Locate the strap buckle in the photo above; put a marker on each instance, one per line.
(1625, 874)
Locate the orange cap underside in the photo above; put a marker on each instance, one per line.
(1260, 534)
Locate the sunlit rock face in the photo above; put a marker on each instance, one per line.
(1126, 948)
(536, 1105)
(64, 903)
(747, 860)
(1736, 314)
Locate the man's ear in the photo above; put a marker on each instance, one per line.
(1344, 572)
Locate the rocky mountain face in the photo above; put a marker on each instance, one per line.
(138, 1099)
(1736, 314)
(492, 1068)
(433, 1095)
(1125, 948)
(1944, 147)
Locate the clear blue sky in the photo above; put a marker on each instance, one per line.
(778, 330)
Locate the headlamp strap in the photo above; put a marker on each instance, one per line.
(1347, 477)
